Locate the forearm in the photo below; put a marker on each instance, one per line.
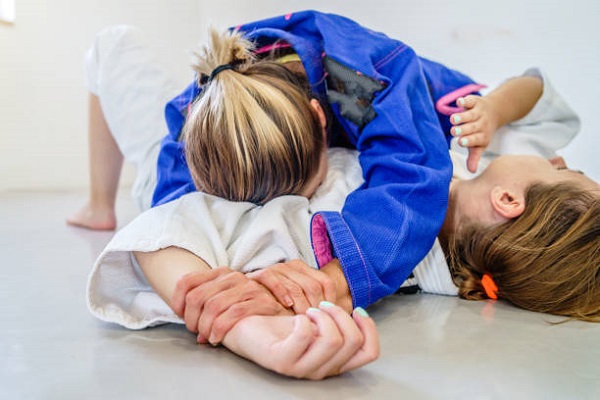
(163, 268)
(323, 342)
(515, 98)
(239, 338)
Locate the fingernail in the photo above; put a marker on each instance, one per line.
(326, 304)
(464, 141)
(461, 102)
(457, 131)
(456, 119)
(289, 301)
(312, 309)
(361, 311)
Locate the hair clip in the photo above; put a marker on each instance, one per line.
(489, 286)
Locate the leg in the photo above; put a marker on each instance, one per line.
(106, 162)
(128, 92)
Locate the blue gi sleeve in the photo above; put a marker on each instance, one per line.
(387, 225)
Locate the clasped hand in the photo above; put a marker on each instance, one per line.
(220, 303)
(212, 302)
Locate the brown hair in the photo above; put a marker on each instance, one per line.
(252, 134)
(546, 260)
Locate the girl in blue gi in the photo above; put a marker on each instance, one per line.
(379, 94)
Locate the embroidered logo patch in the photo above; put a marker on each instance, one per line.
(352, 91)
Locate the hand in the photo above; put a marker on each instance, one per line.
(297, 285)
(474, 127)
(212, 302)
(324, 342)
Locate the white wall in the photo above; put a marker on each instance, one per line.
(43, 141)
(42, 98)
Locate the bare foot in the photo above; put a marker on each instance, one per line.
(95, 218)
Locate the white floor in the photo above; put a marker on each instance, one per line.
(433, 347)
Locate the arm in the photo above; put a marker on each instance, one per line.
(548, 127)
(214, 306)
(387, 226)
(190, 287)
(164, 279)
(325, 342)
(511, 101)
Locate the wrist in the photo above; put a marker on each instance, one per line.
(343, 296)
(515, 98)
(499, 113)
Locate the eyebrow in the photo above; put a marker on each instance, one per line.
(578, 171)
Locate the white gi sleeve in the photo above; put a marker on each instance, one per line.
(547, 128)
(242, 236)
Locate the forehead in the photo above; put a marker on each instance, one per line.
(578, 177)
(534, 168)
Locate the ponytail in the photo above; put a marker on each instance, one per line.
(252, 134)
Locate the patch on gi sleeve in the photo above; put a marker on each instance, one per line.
(352, 91)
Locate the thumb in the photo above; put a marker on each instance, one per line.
(468, 102)
(473, 158)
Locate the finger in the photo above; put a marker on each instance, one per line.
(183, 286)
(304, 285)
(311, 289)
(473, 140)
(468, 102)
(476, 125)
(473, 158)
(259, 305)
(327, 342)
(327, 287)
(215, 306)
(194, 302)
(270, 279)
(370, 349)
(352, 339)
(301, 302)
(236, 289)
(187, 283)
(223, 293)
(197, 297)
(295, 346)
(201, 339)
(462, 117)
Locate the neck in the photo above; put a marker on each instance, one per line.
(450, 225)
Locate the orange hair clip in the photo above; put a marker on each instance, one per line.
(489, 286)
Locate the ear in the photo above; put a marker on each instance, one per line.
(507, 203)
(320, 113)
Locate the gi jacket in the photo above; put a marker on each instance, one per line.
(383, 96)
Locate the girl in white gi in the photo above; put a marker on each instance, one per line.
(127, 95)
(476, 126)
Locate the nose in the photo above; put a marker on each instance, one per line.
(558, 162)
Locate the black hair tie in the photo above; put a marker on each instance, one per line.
(218, 70)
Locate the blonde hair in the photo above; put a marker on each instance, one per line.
(546, 260)
(252, 134)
